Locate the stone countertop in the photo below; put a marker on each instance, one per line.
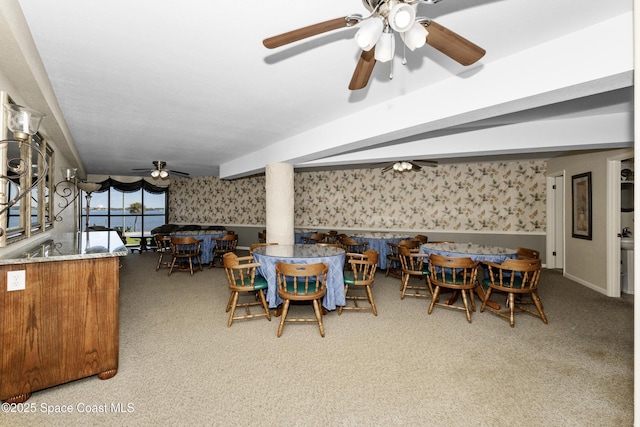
(63, 247)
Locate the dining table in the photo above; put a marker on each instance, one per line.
(476, 252)
(206, 245)
(380, 243)
(269, 256)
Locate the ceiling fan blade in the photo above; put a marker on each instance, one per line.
(363, 70)
(388, 168)
(309, 31)
(178, 173)
(142, 169)
(416, 166)
(451, 44)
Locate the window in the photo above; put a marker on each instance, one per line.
(132, 208)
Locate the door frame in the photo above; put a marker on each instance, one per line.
(555, 229)
(612, 226)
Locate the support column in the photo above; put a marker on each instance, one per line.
(279, 203)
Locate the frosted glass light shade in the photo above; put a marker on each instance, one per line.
(368, 35)
(155, 173)
(385, 47)
(89, 187)
(164, 174)
(401, 17)
(23, 120)
(415, 37)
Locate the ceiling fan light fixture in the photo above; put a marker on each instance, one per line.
(368, 35)
(155, 173)
(415, 37)
(385, 47)
(401, 17)
(164, 174)
(402, 166)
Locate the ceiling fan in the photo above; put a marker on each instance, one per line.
(160, 170)
(375, 36)
(409, 165)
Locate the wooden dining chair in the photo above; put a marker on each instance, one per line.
(352, 245)
(301, 282)
(163, 248)
(221, 246)
(262, 236)
(526, 253)
(362, 274)
(314, 238)
(393, 257)
(414, 265)
(457, 274)
(244, 282)
(183, 251)
(516, 277)
(421, 238)
(331, 237)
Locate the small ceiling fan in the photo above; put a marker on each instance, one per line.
(409, 165)
(375, 36)
(160, 170)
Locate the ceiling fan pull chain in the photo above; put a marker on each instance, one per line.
(404, 54)
(391, 70)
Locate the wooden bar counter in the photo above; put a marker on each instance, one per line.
(63, 325)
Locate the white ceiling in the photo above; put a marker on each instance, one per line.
(190, 83)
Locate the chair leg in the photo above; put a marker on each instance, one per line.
(436, 292)
(173, 263)
(512, 305)
(466, 305)
(263, 300)
(346, 289)
(370, 297)
(229, 302)
(159, 262)
(486, 298)
(538, 303)
(318, 311)
(283, 316)
(235, 295)
(404, 284)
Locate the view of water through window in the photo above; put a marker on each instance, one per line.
(135, 213)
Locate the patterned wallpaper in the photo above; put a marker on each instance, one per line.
(500, 196)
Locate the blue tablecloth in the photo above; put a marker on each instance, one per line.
(381, 245)
(470, 250)
(207, 241)
(269, 256)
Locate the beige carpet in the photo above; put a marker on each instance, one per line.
(180, 364)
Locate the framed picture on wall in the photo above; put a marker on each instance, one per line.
(581, 206)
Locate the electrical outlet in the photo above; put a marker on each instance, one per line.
(16, 280)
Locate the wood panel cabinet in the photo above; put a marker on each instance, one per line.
(63, 326)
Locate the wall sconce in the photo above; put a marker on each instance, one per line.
(65, 189)
(23, 122)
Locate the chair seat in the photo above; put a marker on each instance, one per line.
(425, 271)
(259, 282)
(350, 278)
